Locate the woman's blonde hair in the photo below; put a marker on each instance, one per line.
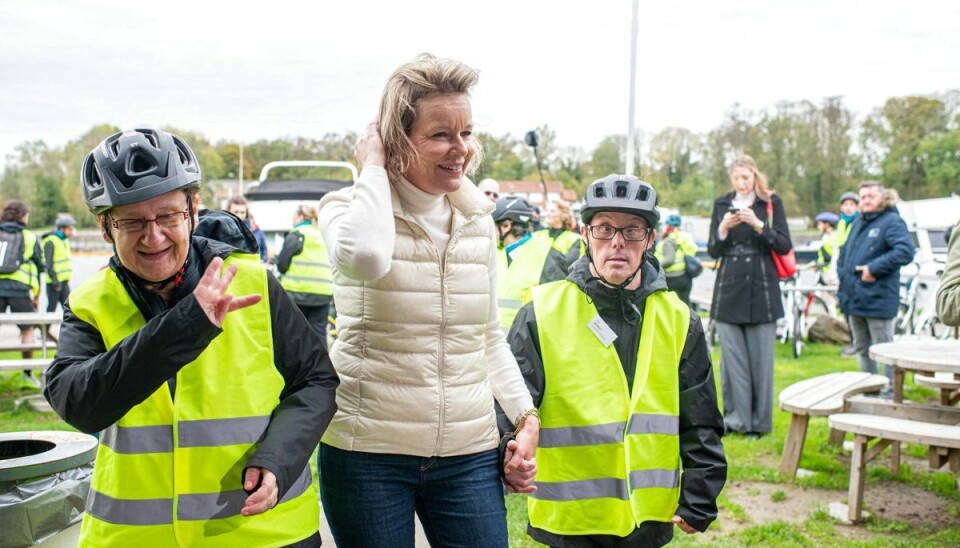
(405, 88)
(566, 215)
(762, 187)
(308, 213)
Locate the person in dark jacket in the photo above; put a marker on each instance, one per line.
(586, 346)
(20, 288)
(209, 388)
(869, 268)
(746, 295)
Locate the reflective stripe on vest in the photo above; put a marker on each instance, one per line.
(309, 270)
(169, 471)
(189, 507)
(62, 261)
(27, 273)
(626, 443)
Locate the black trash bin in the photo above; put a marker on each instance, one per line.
(44, 479)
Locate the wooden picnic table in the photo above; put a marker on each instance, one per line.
(917, 354)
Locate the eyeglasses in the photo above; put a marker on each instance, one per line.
(491, 194)
(136, 226)
(630, 233)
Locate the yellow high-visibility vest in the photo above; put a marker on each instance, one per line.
(309, 270)
(609, 456)
(169, 472)
(62, 260)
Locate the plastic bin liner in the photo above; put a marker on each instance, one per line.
(35, 509)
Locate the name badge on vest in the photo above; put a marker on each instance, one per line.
(602, 330)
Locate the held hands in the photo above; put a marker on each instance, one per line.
(749, 217)
(265, 497)
(369, 148)
(520, 463)
(678, 521)
(211, 293)
(865, 273)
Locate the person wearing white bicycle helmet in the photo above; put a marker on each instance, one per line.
(827, 253)
(619, 369)
(208, 387)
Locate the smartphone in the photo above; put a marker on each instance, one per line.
(734, 209)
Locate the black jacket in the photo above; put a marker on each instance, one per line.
(91, 387)
(747, 290)
(701, 424)
(558, 265)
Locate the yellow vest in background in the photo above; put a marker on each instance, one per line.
(309, 270)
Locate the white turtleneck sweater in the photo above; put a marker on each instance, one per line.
(358, 226)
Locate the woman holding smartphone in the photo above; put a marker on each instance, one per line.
(746, 295)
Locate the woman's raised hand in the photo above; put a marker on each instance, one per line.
(369, 148)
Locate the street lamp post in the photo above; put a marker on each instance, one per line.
(533, 140)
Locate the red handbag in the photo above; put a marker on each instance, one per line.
(787, 263)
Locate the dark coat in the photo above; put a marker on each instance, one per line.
(881, 241)
(747, 290)
(701, 424)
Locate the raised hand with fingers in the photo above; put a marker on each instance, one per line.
(211, 293)
(369, 148)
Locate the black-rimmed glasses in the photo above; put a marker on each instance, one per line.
(136, 226)
(630, 233)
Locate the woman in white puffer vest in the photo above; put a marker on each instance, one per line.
(420, 352)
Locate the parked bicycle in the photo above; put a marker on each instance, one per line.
(917, 313)
(798, 303)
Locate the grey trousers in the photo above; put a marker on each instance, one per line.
(869, 331)
(746, 375)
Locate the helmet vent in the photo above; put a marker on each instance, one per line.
(599, 191)
(115, 148)
(139, 163)
(643, 193)
(95, 180)
(622, 188)
(151, 138)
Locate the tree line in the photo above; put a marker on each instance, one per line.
(811, 153)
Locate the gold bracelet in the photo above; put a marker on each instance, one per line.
(523, 418)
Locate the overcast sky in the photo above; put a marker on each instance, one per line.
(262, 70)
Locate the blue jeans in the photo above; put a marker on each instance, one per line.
(369, 499)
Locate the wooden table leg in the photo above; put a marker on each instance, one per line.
(793, 446)
(858, 469)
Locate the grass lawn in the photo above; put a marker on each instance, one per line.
(753, 469)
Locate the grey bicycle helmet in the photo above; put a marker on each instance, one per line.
(136, 165)
(624, 194)
(514, 208)
(65, 220)
(849, 196)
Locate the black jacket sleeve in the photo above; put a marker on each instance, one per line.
(776, 234)
(308, 399)
(38, 261)
(701, 427)
(525, 345)
(48, 263)
(292, 245)
(91, 387)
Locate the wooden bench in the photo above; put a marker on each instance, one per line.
(948, 386)
(819, 397)
(887, 430)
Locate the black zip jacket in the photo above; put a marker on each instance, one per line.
(701, 424)
(91, 387)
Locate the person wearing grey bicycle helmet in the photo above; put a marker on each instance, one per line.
(208, 387)
(58, 262)
(619, 369)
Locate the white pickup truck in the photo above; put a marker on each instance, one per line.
(274, 201)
